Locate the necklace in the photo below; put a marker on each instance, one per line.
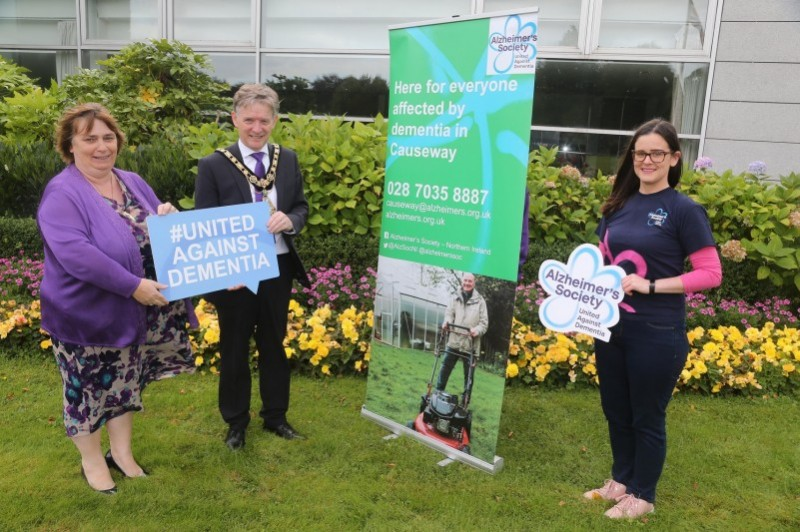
(111, 191)
(268, 180)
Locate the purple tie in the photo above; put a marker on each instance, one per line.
(260, 172)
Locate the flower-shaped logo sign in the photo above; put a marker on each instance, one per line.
(512, 44)
(584, 294)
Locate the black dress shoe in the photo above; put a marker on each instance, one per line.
(284, 430)
(110, 491)
(112, 464)
(235, 439)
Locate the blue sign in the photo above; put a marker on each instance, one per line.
(197, 252)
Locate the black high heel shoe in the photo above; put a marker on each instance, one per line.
(109, 491)
(113, 465)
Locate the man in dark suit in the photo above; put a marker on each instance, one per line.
(270, 174)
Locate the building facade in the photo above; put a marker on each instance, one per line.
(710, 66)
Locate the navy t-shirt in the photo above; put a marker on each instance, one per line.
(652, 235)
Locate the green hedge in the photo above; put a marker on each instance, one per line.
(343, 167)
(19, 234)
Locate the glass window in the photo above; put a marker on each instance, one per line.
(89, 58)
(559, 20)
(45, 65)
(233, 69)
(333, 84)
(618, 95)
(43, 22)
(649, 24)
(209, 21)
(122, 20)
(363, 25)
(590, 152)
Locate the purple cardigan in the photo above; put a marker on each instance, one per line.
(92, 263)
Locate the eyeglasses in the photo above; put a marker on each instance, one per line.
(656, 156)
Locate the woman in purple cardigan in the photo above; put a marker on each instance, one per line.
(113, 331)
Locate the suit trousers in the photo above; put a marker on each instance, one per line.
(243, 315)
(638, 369)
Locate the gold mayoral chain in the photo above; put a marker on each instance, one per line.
(268, 180)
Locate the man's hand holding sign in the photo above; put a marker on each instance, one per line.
(584, 295)
(197, 252)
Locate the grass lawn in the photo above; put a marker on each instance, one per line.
(732, 464)
(399, 377)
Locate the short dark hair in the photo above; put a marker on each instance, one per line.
(71, 120)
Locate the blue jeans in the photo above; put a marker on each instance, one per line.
(638, 369)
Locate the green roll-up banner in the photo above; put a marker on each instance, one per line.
(460, 106)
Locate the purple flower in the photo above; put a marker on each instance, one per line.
(757, 167)
(703, 163)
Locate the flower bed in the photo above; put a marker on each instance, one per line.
(723, 359)
(755, 352)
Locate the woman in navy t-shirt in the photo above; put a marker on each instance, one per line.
(648, 229)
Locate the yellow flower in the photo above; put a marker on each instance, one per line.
(323, 313)
(788, 368)
(512, 370)
(296, 308)
(542, 371)
(198, 361)
(326, 369)
(289, 352)
(358, 365)
(322, 351)
(211, 336)
(46, 343)
(148, 95)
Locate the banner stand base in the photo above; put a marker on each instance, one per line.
(452, 455)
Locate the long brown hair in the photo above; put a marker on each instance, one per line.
(627, 183)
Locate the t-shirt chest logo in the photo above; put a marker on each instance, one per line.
(657, 218)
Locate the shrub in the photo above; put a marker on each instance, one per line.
(14, 79)
(29, 117)
(764, 218)
(24, 172)
(564, 206)
(151, 88)
(18, 236)
(164, 165)
(342, 163)
(327, 250)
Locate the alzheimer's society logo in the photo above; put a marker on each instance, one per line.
(584, 295)
(657, 218)
(512, 44)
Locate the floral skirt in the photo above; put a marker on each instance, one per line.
(101, 382)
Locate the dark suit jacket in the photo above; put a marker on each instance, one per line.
(219, 183)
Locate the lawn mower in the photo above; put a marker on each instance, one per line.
(444, 416)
